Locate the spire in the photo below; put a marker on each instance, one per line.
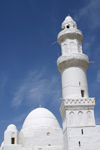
(68, 23)
(69, 30)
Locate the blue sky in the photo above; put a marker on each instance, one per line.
(28, 71)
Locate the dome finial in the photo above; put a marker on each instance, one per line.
(39, 106)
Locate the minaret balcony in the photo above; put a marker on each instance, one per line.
(74, 59)
(70, 34)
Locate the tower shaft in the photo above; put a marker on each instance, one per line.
(77, 109)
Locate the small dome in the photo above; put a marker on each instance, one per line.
(40, 117)
(68, 22)
(2, 145)
(11, 127)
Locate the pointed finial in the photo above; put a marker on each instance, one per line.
(39, 106)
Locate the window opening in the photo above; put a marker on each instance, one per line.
(63, 27)
(73, 25)
(12, 140)
(48, 133)
(82, 93)
(68, 26)
(79, 83)
(82, 131)
(79, 143)
(49, 144)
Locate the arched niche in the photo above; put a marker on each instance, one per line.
(80, 118)
(64, 49)
(72, 118)
(89, 117)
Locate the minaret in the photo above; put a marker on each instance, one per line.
(77, 109)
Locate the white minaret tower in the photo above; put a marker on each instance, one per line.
(77, 109)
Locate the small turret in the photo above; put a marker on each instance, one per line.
(11, 135)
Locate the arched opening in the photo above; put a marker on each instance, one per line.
(13, 140)
(68, 26)
(63, 27)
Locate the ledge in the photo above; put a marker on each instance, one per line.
(71, 34)
(75, 59)
(79, 101)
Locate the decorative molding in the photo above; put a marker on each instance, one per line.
(74, 59)
(79, 101)
(71, 34)
(77, 104)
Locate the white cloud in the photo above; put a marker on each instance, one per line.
(36, 88)
(89, 41)
(96, 82)
(90, 14)
(88, 17)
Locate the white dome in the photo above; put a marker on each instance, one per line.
(11, 127)
(40, 117)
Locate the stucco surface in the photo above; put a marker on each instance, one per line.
(41, 128)
(89, 140)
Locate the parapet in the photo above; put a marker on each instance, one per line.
(79, 102)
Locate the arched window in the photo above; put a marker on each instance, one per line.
(13, 138)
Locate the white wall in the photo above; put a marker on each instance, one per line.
(41, 137)
(89, 140)
(73, 81)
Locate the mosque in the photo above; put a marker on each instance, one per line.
(41, 130)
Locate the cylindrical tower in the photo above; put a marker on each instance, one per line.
(73, 63)
(77, 109)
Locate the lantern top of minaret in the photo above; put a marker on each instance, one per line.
(68, 23)
(69, 30)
